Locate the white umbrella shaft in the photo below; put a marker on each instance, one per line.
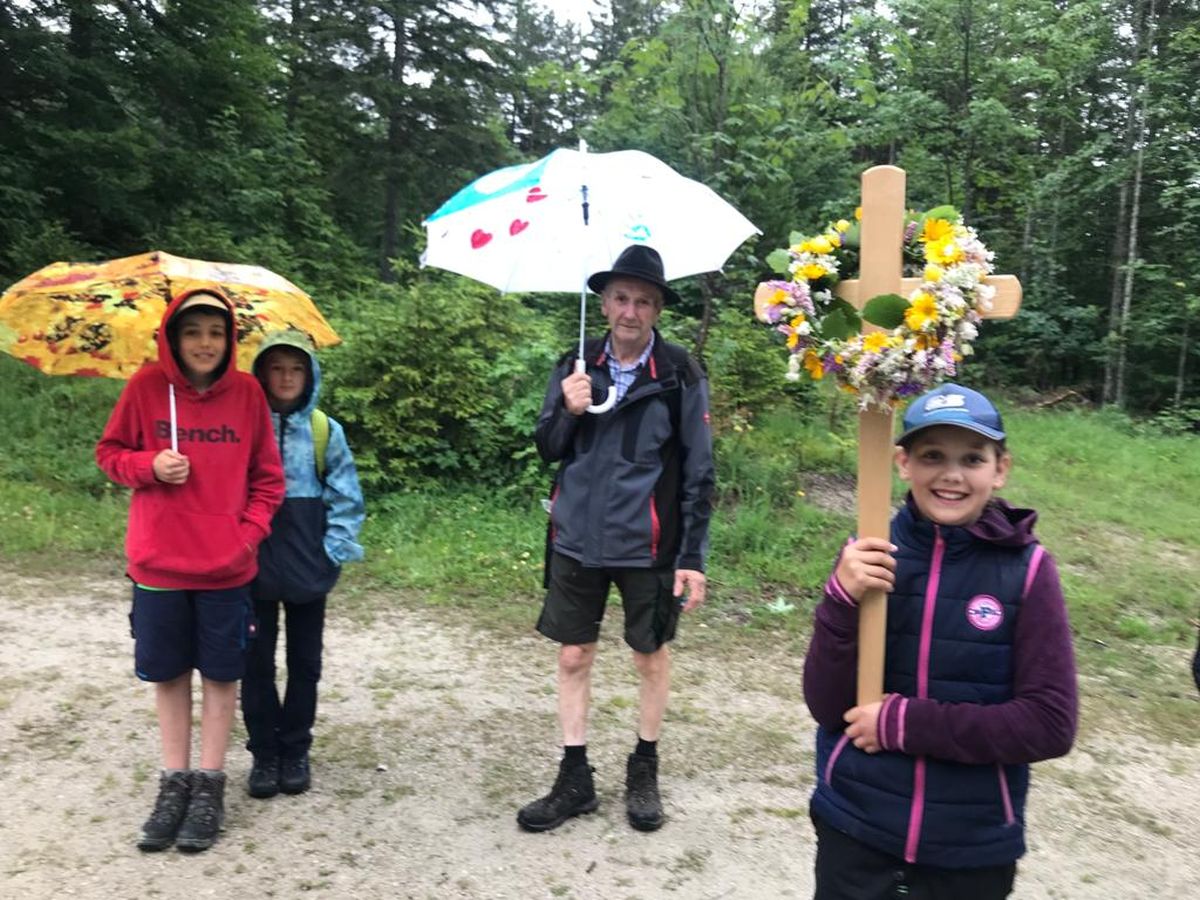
(174, 430)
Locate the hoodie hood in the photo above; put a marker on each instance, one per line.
(167, 359)
(296, 340)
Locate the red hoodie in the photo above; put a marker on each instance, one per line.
(202, 534)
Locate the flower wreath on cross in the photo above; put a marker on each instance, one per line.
(924, 336)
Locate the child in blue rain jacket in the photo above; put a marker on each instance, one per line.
(312, 535)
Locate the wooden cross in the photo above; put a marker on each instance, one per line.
(881, 268)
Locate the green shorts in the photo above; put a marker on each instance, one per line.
(577, 596)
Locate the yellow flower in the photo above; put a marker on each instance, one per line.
(813, 271)
(820, 244)
(936, 230)
(858, 213)
(780, 297)
(834, 238)
(802, 247)
(924, 342)
(934, 273)
(794, 338)
(945, 252)
(813, 364)
(922, 311)
(875, 342)
(842, 225)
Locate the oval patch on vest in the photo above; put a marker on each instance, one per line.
(985, 612)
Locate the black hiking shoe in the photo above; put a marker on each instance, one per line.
(642, 803)
(295, 776)
(205, 813)
(264, 777)
(573, 793)
(158, 832)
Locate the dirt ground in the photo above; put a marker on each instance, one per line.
(431, 733)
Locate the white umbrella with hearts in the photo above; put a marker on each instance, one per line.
(547, 225)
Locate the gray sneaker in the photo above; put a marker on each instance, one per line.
(158, 831)
(642, 803)
(573, 794)
(205, 812)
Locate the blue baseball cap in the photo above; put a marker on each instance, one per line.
(952, 404)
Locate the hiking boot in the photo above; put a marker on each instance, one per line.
(264, 777)
(642, 803)
(158, 832)
(205, 812)
(573, 793)
(295, 777)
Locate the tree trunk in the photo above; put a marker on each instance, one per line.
(1027, 238)
(1184, 347)
(1121, 386)
(707, 292)
(1121, 232)
(390, 244)
(968, 168)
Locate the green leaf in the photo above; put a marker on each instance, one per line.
(794, 238)
(779, 260)
(941, 212)
(885, 310)
(841, 322)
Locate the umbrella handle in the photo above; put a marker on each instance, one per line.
(609, 402)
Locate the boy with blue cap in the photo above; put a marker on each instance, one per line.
(923, 793)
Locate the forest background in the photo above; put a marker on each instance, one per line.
(313, 137)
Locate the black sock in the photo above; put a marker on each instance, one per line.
(575, 754)
(647, 748)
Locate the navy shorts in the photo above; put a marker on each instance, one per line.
(575, 603)
(177, 631)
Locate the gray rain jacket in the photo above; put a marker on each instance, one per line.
(634, 488)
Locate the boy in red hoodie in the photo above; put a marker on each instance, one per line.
(196, 518)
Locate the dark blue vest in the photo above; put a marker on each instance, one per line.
(926, 810)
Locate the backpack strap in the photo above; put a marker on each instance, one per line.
(685, 374)
(320, 431)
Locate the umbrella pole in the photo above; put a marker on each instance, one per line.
(174, 429)
(580, 365)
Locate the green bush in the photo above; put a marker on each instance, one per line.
(746, 363)
(51, 425)
(438, 381)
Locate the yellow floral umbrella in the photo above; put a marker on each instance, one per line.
(100, 319)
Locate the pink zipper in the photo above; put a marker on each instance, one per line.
(918, 803)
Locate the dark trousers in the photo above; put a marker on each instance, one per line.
(848, 869)
(275, 728)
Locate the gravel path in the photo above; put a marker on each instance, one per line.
(432, 733)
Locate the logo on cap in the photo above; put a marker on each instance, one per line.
(945, 401)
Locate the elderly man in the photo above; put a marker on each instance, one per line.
(631, 506)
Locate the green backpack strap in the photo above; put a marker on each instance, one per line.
(320, 430)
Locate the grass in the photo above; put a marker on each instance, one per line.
(1117, 506)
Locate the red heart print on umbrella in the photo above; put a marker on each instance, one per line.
(479, 237)
(517, 227)
(535, 194)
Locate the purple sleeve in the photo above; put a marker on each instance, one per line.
(1038, 723)
(831, 666)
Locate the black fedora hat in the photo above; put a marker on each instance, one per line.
(636, 261)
